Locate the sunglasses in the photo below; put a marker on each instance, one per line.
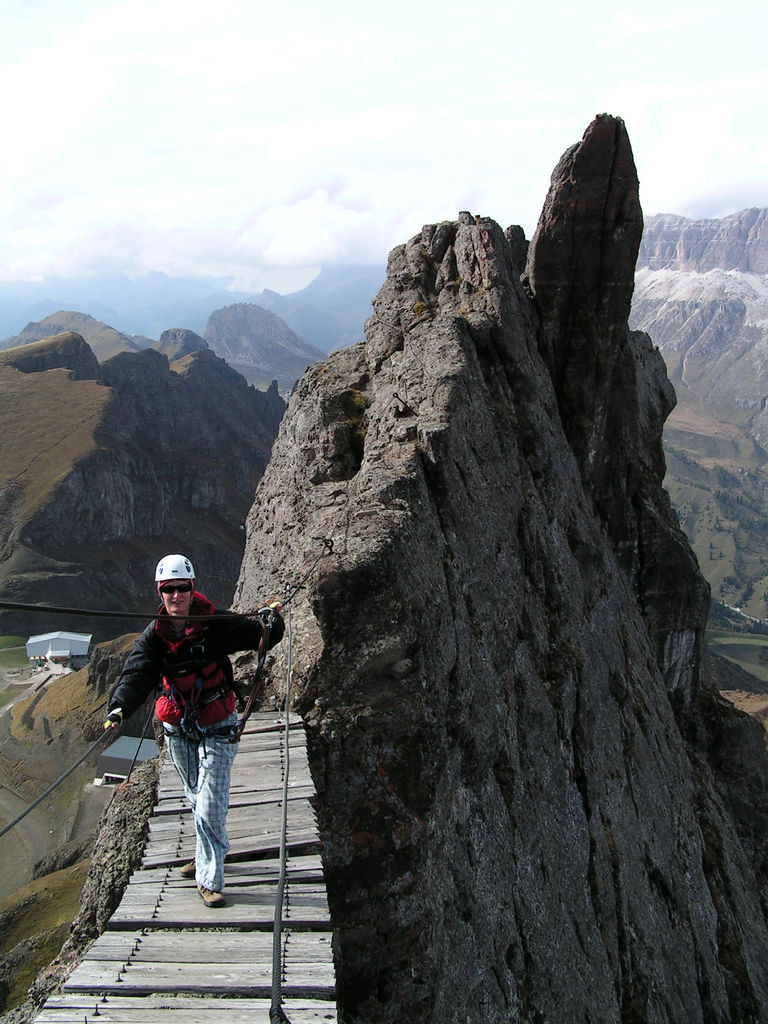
(172, 588)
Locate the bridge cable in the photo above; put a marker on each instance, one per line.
(276, 1012)
(96, 613)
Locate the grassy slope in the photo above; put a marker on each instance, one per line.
(13, 655)
(13, 652)
(745, 650)
(40, 737)
(34, 922)
(47, 422)
(66, 703)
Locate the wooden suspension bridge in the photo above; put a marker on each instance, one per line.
(164, 955)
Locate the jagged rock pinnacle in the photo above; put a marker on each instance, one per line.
(506, 706)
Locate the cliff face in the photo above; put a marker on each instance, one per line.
(179, 342)
(738, 242)
(528, 791)
(612, 393)
(701, 293)
(66, 350)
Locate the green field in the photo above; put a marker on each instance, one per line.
(748, 651)
(13, 652)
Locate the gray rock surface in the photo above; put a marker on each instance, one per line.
(701, 291)
(259, 344)
(178, 342)
(67, 350)
(534, 806)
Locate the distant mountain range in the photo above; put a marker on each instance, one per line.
(329, 313)
(253, 341)
(701, 293)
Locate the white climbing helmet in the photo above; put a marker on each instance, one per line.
(174, 567)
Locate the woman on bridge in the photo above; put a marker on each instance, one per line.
(185, 652)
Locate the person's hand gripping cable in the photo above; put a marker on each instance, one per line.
(114, 719)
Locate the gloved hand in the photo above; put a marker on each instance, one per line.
(114, 719)
(265, 613)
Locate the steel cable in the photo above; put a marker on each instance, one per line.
(276, 1013)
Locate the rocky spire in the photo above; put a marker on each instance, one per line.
(612, 390)
(516, 826)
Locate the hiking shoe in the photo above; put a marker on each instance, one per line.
(187, 870)
(209, 898)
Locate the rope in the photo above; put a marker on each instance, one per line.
(327, 546)
(67, 773)
(97, 613)
(276, 1013)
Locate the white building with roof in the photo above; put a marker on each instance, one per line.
(61, 648)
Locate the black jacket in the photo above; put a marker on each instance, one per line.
(156, 656)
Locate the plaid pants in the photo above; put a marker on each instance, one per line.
(204, 768)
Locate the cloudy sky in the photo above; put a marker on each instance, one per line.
(261, 141)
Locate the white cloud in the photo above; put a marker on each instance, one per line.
(247, 138)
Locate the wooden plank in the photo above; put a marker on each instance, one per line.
(195, 947)
(262, 816)
(240, 796)
(104, 977)
(259, 780)
(246, 872)
(238, 830)
(305, 906)
(183, 892)
(250, 814)
(73, 1008)
(249, 806)
(241, 848)
(177, 806)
